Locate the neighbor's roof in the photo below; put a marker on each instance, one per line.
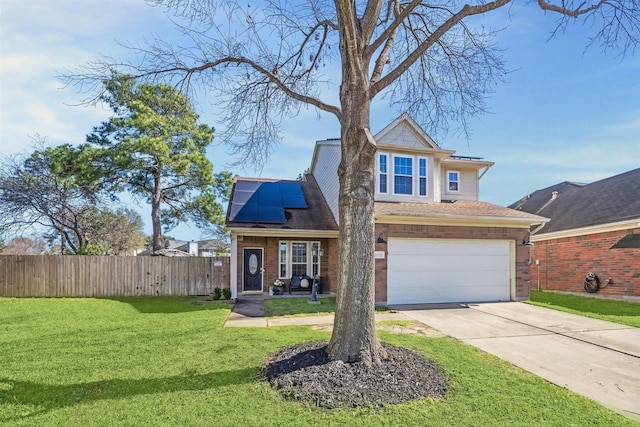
(316, 216)
(611, 200)
(457, 210)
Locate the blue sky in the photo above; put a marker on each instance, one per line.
(563, 114)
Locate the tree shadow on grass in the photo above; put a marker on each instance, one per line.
(173, 304)
(46, 397)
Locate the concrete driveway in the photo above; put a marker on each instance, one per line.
(597, 359)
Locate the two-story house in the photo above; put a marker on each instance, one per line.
(435, 242)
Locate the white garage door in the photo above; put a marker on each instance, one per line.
(431, 270)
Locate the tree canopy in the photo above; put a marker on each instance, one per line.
(155, 149)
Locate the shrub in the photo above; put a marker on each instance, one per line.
(217, 292)
(226, 293)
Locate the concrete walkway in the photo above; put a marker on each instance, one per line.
(597, 359)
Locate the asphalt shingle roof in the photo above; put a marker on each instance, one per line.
(458, 208)
(610, 200)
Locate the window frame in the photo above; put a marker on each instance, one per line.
(424, 176)
(450, 181)
(410, 176)
(312, 261)
(380, 173)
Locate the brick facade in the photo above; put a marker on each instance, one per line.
(451, 232)
(564, 263)
(329, 262)
(270, 247)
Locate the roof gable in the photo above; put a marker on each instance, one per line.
(406, 133)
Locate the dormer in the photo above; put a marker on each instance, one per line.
(407, 163)
(410, 167)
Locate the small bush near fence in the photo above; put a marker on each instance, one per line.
(108, 276)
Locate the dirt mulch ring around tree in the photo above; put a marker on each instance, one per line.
(304, 372)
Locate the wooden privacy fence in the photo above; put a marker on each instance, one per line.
(109, 276)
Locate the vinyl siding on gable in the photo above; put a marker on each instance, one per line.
(468, 184)
(403, 137)
(325, 171)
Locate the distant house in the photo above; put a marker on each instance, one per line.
(594, 228)
(201, 248)
(435, 241)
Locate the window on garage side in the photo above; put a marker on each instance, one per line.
(453, 181)
(403, 175)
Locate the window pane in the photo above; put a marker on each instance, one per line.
(383, 183)
(422, 165)
(383, 173)
(298, 259)
(403, 175)
(402, 185)
(283, 259)
(453, 181)
(402, 166)
(383, 163)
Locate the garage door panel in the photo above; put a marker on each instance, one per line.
(421, 263)
(424, 270)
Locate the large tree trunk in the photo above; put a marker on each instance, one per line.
(354, 333)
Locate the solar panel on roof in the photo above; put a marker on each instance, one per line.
(247, 213)
(272, 215)
(265, 202)
(292, 196)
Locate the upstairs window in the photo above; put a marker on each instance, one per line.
(382, 159)
(402, 175)
(453, 181)
(422, 177)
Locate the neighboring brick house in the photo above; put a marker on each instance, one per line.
(435, 242)
(594, 228)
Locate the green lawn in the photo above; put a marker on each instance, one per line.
(625, 313)
(168, 362)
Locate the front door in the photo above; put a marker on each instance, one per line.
(252, 270)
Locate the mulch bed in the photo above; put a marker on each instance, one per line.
(304, 372)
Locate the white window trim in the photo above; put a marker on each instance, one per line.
(449, 190)
(289, 256)
(393, 174)
(379, 173)
(426, 177)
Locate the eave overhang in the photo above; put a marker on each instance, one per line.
(283, 232)
(458, 220)
(594, 229)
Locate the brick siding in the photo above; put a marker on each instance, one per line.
(329, 262)
(565, 262)
(271, 249)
